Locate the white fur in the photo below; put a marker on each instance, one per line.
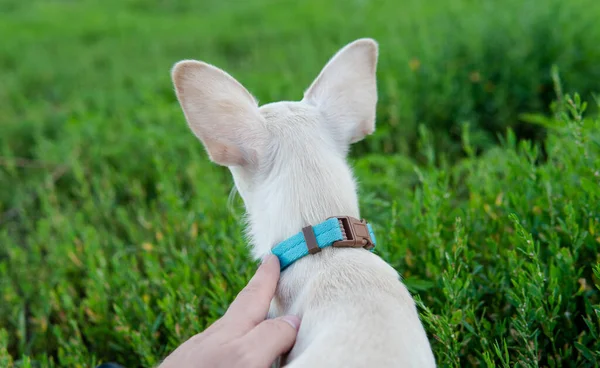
(288, 161)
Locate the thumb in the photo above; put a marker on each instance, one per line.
(271, 338)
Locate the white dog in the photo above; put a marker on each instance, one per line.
(288, 161)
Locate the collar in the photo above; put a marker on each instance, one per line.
(343, 231)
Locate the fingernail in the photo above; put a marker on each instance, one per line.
(292, 321)
(266, 258)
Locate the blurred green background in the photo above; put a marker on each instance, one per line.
(442, 64)
(110, 210)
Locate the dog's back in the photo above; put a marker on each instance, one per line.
(355, 313)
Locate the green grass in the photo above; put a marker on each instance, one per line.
(117, 241)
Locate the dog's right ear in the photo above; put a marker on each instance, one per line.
(346, 91)
(220, 112)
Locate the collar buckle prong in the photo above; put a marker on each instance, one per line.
(355, 232)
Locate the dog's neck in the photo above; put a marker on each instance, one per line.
(298, 195)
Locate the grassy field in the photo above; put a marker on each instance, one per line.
(117, 240)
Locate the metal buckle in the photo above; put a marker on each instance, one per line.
(355, 232)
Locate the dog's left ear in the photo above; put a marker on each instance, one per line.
(346, 91)
(220, 112)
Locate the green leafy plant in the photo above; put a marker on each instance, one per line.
(118, 239)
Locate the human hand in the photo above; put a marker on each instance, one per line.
(242, 337)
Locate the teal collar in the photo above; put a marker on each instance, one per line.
(336, 231)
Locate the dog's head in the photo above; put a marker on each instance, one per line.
(282, 138)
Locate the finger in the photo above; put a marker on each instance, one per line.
(251, 305)
(270, 339)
